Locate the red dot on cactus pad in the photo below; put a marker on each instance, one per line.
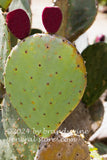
(52, 18)
(18, 22)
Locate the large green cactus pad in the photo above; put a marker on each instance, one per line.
(78, 15)
(96, 64)
(45, 80)
(4, 44)
(22, 140)
(4, 4)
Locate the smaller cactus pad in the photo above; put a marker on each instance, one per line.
(78, 15)
(18, 22)
(4, 4)
(4, 44)
(96, 65)
(52, 18)
(51, 79)
(70, 147)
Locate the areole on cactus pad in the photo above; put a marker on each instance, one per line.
(45, 78)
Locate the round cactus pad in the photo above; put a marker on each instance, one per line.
(45, 79)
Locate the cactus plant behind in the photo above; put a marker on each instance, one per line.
(96, 59)
(78, 15)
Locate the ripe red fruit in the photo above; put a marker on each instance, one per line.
(52, 18)
(18, 22)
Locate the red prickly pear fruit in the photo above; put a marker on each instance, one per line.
(18, 23)
(100, 38)
(52, 18)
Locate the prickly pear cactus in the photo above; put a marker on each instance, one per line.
(69, 146)
(4, 4)
(4, 44)
(22, 140)
(23, 4)
(52, 78)
(96, 65)
(78, 15)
